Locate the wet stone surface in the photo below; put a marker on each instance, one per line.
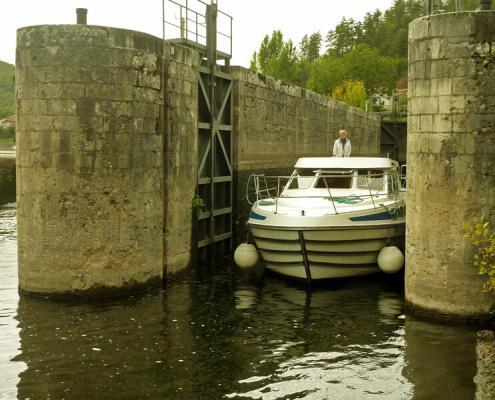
(227, 337)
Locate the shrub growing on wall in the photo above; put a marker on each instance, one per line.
(483, 238)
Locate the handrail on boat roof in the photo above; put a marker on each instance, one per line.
(346, 163)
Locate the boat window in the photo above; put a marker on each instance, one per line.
(335, 180)
(372, 177)
(303, 179)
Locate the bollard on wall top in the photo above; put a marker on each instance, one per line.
(82, 16)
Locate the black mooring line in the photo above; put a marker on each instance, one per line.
(305, 258)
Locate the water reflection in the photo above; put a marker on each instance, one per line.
(441, 359)
(334, 343)
(89, 351)
(219, 336)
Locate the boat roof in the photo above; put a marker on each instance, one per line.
(345, 163)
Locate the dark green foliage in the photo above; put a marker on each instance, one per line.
(7, 135)
(466, 5)
(277, 58)
(386, 32)
(310, 47)
(373, 51)
(362, 63)
(347, 34)
(7, 93)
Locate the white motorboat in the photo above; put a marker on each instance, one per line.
(330, 218)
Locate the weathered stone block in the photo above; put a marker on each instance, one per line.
(446, 25)
(442, 123)
(428, 105)
(440, 86)
(418, 29)
(417, 70)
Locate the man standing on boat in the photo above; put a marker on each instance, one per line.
(342, 146)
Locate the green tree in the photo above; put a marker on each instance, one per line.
(309, 52)
(373, 50)
(395, 26)
(373, 29)
(363, 63)
(347, 34)
(326, 74)
(310, 47)
(277, 58)
(7, 92)
(352, 93)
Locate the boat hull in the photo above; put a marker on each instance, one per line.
(328, 252)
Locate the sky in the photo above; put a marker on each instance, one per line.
(252, 19)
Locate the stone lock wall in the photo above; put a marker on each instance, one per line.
(451, 160)
(276, 123)
(89, 159)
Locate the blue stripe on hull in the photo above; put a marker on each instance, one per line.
(373, 217)
(254, 215)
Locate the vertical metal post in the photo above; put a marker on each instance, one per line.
(196, 29)
(211, 59)
(163, 23)
(183, 27)
(211, 36)
(330, 194)
(184, 22)
(371, 195)
(278, 194)
(430, 6)
(82, 16)
(231, 36)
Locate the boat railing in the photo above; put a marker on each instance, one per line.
(403, 175)
(268, 189)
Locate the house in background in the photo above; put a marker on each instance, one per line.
(8, 122)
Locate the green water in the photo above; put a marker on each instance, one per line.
(227, 336)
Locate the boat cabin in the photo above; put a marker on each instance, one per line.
(359, 176)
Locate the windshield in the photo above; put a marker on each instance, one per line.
(334, 179)
(302, 179)
(374, 180)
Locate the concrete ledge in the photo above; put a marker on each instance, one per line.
(105, 292)
(426, 311)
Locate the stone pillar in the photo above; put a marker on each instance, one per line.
(451, 160)
(89, 160)
(181, 159)
(485, 377)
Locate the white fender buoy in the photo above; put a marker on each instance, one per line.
(390, 259)
(246, 255)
